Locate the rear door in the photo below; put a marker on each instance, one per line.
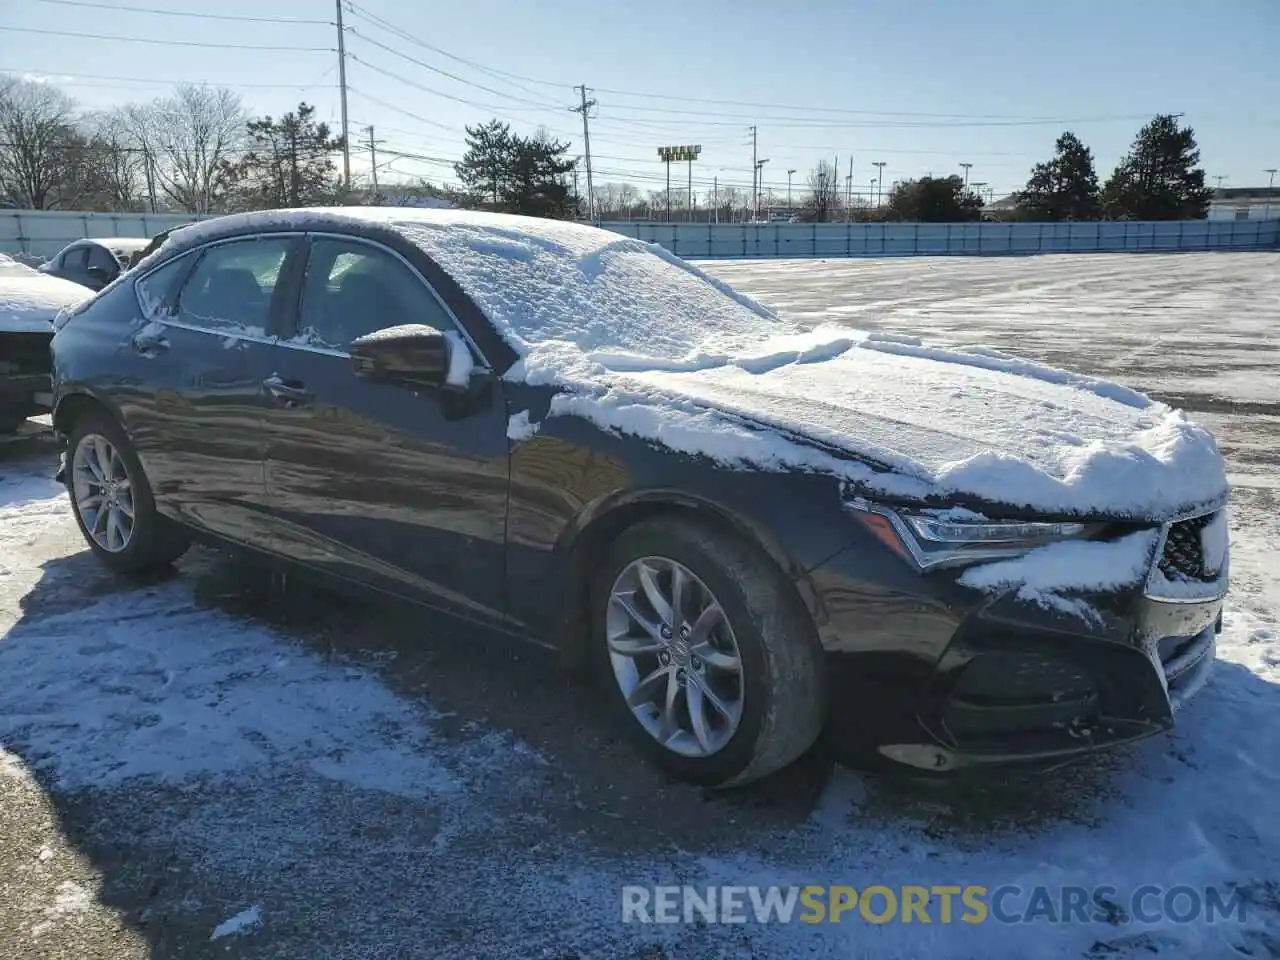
(210, 345)
(402, 489)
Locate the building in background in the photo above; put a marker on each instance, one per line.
(1245, 203)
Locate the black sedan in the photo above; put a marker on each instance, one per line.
(746, 530)
(95, 262)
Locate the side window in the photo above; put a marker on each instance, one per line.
(352, 289)
(101, 257)
(155, 289)
(77, 259)
(231, 287)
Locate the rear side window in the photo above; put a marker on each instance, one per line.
(77, 259)
(231, 287)
(155, 290)
(101, 257)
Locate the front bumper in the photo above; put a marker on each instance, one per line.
(937, 677)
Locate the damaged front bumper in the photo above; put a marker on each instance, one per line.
(942, 679)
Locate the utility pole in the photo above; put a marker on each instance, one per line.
(848, 193)
(755, 173)
(759, 183)
(576, 195)
(965, 167)
(373, 162)
(1220, 179)
(1271, 172)
(789, 173)
(879, 165)
(342, 88)
(585, 109)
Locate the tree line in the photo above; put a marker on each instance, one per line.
(199, 150)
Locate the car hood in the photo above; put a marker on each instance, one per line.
(963, 425)
(28, 304)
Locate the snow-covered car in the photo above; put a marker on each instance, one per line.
(94, 262)
(29, 301)
(744, 528)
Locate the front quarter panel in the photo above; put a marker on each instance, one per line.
(572, 475)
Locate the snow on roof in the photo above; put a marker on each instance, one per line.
(543, 280)
(29, 303)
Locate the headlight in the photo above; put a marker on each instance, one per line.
(930, 540)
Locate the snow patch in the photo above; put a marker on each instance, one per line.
(29, 301)
(461, 363)
(242, 922)
(520, 428)
(1071, 565)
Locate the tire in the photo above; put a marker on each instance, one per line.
(153, 541)
(781, 708)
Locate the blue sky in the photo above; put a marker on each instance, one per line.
(922, 86)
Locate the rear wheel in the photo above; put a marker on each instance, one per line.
(707, 652)
(112, 500)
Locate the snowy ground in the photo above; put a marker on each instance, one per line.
(197, 768)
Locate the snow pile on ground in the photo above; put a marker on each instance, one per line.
(29, 302)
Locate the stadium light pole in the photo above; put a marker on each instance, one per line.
(879, 165)
(1271, 179)
(789, 173)
(965, 167)
(755, 201)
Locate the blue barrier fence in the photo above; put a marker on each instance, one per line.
(765, 240)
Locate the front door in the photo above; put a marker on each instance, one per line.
(207, 351)
(403, 489)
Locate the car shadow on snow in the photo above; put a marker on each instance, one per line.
(537, 758)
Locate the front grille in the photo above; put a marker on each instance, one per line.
(1183, 557)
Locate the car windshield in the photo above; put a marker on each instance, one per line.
(542, 281)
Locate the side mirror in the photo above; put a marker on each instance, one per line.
(413, 355)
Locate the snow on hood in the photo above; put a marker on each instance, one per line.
(29, 303)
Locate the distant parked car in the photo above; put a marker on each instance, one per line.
(29, 301)
(96, 262)
(154, 244)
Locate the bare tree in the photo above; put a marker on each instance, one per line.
(190, 138)
(118, 160)
(823, 201)
(36, 132)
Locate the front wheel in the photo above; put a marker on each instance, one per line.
(708, 652)
(112, 500)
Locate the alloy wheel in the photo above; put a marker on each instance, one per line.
(675, 656)
(103, 492)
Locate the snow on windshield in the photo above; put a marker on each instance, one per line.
(543, 281)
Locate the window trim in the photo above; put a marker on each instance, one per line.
(196, 254)
(482, 363)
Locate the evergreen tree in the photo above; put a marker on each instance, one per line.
(486, 167)
(1159, 178)
(933, 200)
(1064, 188)
(290, 162)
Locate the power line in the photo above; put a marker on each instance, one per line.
(545, 105)
(184, 13)
(168, 43)
(431, 90)
(391, 28)
(73, 80)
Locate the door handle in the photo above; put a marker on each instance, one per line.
(291, 393)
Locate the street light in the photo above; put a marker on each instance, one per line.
(1271, 179)
(755, 201)
(689, 153)
(789, 208)
(879, 165)
(966, 167)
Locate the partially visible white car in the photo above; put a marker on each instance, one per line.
(29, 300)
